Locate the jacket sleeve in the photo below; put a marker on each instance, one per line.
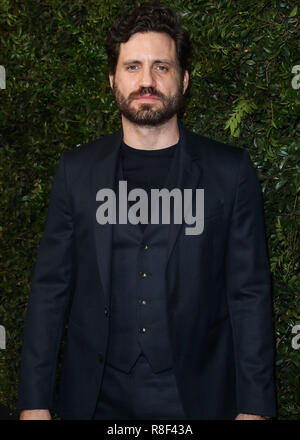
(249, 297)
(49, 297)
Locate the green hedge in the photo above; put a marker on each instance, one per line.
(57, 96)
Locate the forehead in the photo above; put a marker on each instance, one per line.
(148, 45)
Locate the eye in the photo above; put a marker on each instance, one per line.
(160, 66)
(164, 67)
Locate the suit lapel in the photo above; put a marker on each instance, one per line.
(103, 176)
(186, 173)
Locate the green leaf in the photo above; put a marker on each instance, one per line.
(294, 11)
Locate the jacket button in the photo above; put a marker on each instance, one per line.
(100, 357)
(143, 274)
(106, 311)
(143, 330)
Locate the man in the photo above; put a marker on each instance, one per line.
(162, 324)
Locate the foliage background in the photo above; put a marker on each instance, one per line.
(57, 96)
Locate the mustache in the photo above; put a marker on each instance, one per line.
(146, 91)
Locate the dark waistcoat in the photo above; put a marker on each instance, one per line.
(138, 318)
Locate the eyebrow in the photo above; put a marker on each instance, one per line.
(171, 63)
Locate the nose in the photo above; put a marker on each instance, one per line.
(147, 77)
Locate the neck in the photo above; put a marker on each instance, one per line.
(148, 137)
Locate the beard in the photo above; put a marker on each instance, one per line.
(145, 114)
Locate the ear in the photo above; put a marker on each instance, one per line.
(111, 79)
(185, 80)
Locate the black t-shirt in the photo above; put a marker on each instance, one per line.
(146, 169)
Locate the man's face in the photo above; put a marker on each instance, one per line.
(147, 85)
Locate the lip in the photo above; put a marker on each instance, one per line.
(148, 98)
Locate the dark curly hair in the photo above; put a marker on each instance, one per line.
(149, 17)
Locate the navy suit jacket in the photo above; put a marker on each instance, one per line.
(219, 306)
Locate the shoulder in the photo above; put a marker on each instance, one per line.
(87, 152)
(80, 160)
(225, 166)
(214, 150)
